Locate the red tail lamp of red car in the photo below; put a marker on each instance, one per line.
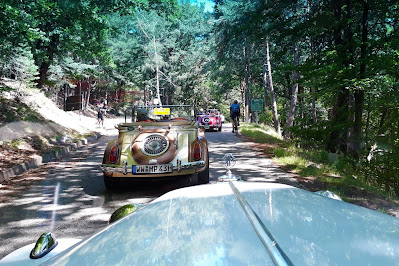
(197, 151)
(113, 154)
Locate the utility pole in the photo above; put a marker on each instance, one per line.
(157, 71)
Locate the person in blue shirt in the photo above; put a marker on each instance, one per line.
(235, 113)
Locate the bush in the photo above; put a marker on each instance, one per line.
(266, 117)
(381, 168)
(279, 152)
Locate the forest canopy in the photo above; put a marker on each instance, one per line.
(326, 70)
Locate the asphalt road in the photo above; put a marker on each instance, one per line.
(68, 197)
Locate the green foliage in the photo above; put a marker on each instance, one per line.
(167, 8)
(5, 89)
(74, 69)
(177, 46)
(224, 109)
(11, 111)
(378, 174)
(71, 40)
(54, 29)
(22, 65)
(315, 135)
(381, 168)
(266, 117)
(278, 152)
(15, 143)
(18, 64)
(345, 52)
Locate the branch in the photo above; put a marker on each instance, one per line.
(145, 33)
(168, 79)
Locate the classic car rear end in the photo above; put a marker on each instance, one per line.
(157, 148)
(210, 120)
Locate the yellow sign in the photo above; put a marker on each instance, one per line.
(162, 111)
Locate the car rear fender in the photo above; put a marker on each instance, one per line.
(107, 152)
(204, 151)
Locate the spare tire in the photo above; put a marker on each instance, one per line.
(206, 120)
(156, 144)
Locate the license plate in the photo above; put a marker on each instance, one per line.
(152, 169)
(206, 126)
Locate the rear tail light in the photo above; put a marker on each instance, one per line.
(113, 154)
(197, 151)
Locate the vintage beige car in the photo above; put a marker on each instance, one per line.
(162, 142)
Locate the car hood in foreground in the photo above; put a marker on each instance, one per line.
(231, 224)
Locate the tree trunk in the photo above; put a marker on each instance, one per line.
(246, 79)
(88, 94)
(314, 111)
(343, 43)
(242, 91)
(272, 95)
(339, 131)
(312, 90)
(43, 69)
(264, 79)
(359, 93)
(294, 97)
(382, 121)
(44, 63)
(367, 126)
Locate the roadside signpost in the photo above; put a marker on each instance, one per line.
(256, 106)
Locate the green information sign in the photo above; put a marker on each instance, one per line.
(256, 105)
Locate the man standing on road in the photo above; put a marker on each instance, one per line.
(235, 113)
(100, 116)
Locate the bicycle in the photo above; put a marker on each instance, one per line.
(236, 123)
(235, 115)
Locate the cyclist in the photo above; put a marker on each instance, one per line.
(235, 114)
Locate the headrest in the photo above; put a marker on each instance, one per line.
(142, 114)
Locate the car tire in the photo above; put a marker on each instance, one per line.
(203, 177)
(110, 182)
(220, 128)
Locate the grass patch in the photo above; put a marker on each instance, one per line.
(261, 135)
(339, 177)
(15, 143)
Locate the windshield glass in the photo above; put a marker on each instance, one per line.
(164, 112)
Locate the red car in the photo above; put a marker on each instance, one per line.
(210, 120)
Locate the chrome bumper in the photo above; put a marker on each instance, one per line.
(125, 169)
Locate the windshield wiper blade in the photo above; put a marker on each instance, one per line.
(276, 253)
